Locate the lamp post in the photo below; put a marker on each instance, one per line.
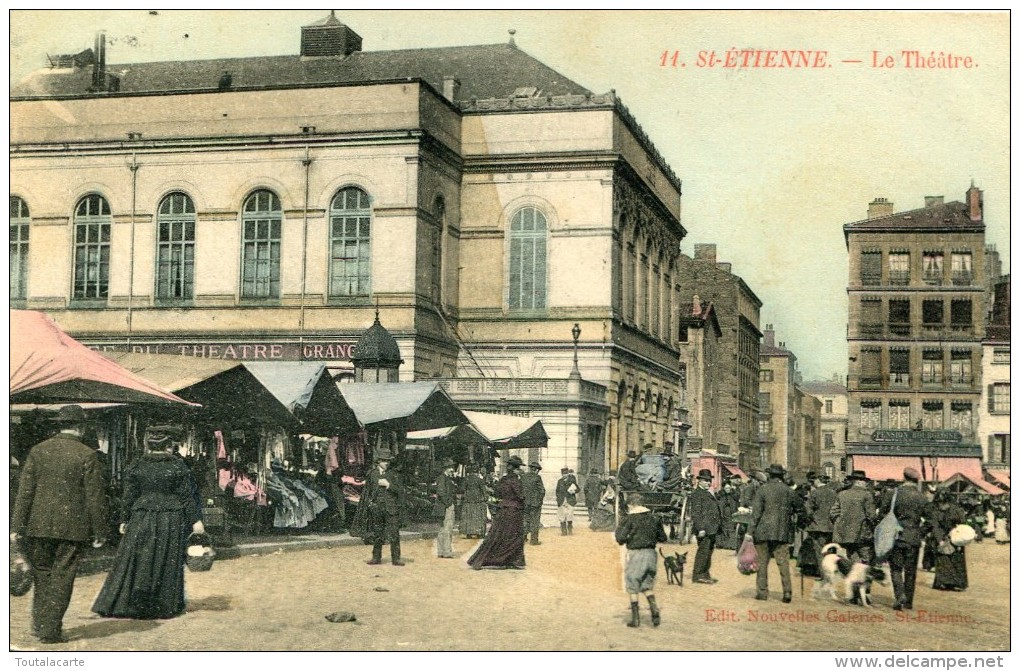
(933, 461)
(575, 374)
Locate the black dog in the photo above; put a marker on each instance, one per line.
(674, 567)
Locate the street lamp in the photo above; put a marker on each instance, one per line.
(575, 374)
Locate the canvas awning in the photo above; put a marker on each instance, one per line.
(49, 366)
(1000, 476)
(890, 467)
(402, 406)
(308, 392)
(980, 484)
(509, 431)
(735, 470)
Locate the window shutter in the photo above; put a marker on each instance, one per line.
(991, 398)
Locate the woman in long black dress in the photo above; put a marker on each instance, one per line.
(504, 546)
(950, 569)
(473, 510)
(160, 510)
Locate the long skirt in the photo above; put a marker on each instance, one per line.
(147, 579)
(504, 546)
(472, 519)
(951, 571)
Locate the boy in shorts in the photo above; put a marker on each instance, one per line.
(641, 532)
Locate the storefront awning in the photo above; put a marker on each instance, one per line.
(1002, 477)
(308, 392)
(402, 406)
(887, 467)
(464, 434)
(735, 470)
(509, 431)
(49, 366)
(980, 484)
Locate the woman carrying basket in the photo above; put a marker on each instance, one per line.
(160, 511)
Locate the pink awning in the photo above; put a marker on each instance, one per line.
(980, 484)
(884, 467)
(1000, 476)
(735, 470)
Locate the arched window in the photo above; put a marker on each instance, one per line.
(19, 248)
(350, 240)
(175, 248)
(262, 219)
(92, 248)
(527, 279)
(436, 252)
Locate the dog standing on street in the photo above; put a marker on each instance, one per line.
(853, 577)
(674, 567)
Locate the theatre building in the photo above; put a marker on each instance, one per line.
(263, 209)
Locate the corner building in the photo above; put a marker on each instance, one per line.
(262, 208)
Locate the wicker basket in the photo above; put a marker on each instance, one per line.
(200, 554)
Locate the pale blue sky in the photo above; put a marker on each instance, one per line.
(773, 161)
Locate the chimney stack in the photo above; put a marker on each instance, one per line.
(451, 88)
(696, 307)
(705, 252)
(770, 335)
(880, 207)
(975, 203)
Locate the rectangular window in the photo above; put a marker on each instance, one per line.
(828, 406)
(871, 268)
(261, 271)
(764, 428)
(899, 368)
(998, 451)
(765, 375)
(871, 317)
(960, 314)
(932, 312)
(871, 413)
(1000, 355)
(899, 268)
(998, 398)
(871, 368)
(931, 415)
(931, 367)
(19, 260)
(961, 268)
(91, 258)
(899, 414)
(765, 401)
(899, 317)
(960, 367)
(931, 266)
(830, 440)
(961, 418)
(175, 260)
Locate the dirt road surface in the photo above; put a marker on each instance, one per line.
(570, 597)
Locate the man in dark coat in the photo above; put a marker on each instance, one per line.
(706, 522)
(566, 498)
(383, 492)
(60, 507)
(674, 477)
(771, 529)
(853, 516)
(627, 476)
(819, 503)
(592, 491)
(911, 506)
(446, 499)
(534, 494)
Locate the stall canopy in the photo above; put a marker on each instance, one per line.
(402, 406)
(891, 467)
(1000, 477)
(735, 470)
(961, 481)
(307, 390)
(509, 431)
(49, 366)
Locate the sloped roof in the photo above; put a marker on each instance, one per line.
(953, 216)
(824, 388)
(484, 71)
(410, 406)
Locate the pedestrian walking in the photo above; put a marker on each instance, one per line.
(503, 548)
(534, 495)
(160, 510)
(474, 511)
(60, 507)
(446, 499)
(771, 530)
(950, 560)
(911, 507)
(641, 532)
(819, 504)
(592, 492)
(706, 523)
(566, 498)
(383, 492)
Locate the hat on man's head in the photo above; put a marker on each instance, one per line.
(776, 471)
(705, 474)
(858, 475)
(911, 474)
(383, 454)
(811, 475)
(564, 470)
(631, 454)
(515, 461)
(535, 466)
(70, 415)
(647, 447)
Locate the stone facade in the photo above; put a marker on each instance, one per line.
(994, 409)
(832, 452)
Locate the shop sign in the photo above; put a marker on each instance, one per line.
(335, 350)
(922, 436)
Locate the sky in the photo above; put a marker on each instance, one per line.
(773, 160)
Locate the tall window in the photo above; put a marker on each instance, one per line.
(961, 268)
(931, 266)
(350, 239)
(960, 314)
(765, 375)
(932, 313)
(899, 317)
(630, 283)
(260, 267)
(962, 417)
(828, 406)
(871, 367)
(931, 367)
(871, 268)
(92, 248)
(871, 317)
(998, 448)
(998, 398)
(527, 259)
(436, 252)
(899, 368)
(960, 367)
(19, 248)
(899, 414)
(829, 439)
(899, 268)
(175, 254)
(871, 413)
(931, 415)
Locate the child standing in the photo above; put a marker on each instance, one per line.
(641, 532)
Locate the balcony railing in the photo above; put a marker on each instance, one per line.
(899, 277)
(899, 329)
(899, 380)
(871, 330)
(962, 278)
(933, 279)
(871, 382)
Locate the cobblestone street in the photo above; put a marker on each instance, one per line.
(569, 598)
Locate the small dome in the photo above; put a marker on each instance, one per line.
(376, 348)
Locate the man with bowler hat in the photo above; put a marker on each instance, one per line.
(566, 499)
(534, 494)
(771, 529)
(627, 476)
(706, 522)
(853, 516)
(446, 498)
(383, 490)
(60, 507)
(592, 491)
(911, 505)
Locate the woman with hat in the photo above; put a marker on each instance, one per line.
(504, 546)
(950, 560)
(160, 511)
(854, 515)
(473, 512)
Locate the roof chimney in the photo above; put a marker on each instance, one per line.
(696, 307)
(880, 207)
(451, 87)
(975, 203)
(705, 252)
(770, 335)
(934, 201)
(99, 64)
(328, 37)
